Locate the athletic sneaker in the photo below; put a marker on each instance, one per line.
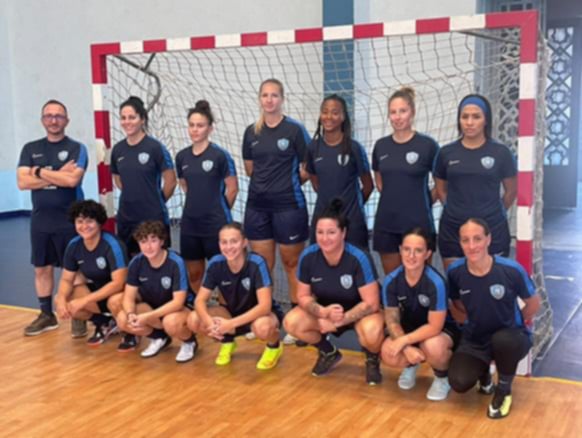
(43, 323)
(373, 374)
(500, 405)
(250, 336)
(102, 333)
(439, 390)
(155, 346)
(485, 385)
(225, 354)
(128, 343)
(325, 362)
(289, 340)
(187, 352)
(270, 357)
(78, 328)
(407, 378)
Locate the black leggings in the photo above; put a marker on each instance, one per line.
(470, 362)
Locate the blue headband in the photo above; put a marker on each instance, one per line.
(475, 100)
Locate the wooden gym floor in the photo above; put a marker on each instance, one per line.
(52, 385)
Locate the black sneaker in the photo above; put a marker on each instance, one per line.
(485, 385)
(102, 333)
(325, 362)
(299, 343)
(500, 405)
(373, 374)
(128, 343)
(78, 328)
(43, 323)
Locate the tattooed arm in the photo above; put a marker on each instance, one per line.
(370, 304)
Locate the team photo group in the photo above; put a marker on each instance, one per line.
(220, 282)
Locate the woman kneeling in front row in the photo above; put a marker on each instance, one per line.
(337, 291)
(246, 303)
(415, 310)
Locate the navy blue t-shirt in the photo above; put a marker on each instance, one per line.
(473, 180)
(336, 284)
(239, 289)
(405, 200)
(415, 302)
(96, 265)
(140, 168)
(338, 176)
(491, 300)
(206, 209)
(276, 153)
(50, 205)
(156, 286)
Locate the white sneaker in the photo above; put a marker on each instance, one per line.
(155, 346)
(250, 336)
(439, 390)
(407, 378)
(187, 352)
(289, 340)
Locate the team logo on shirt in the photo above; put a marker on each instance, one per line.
(63, 155)
(343, 159)
(143, 157)
(411, 157)
(283, 144)
(487, 162)
(497, 291)
(101, 262)
(246, 282)
(207, 165)
(166, 282)
(346, 281)
(423, 300)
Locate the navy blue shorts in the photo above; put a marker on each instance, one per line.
(198, 247)
(448, 239)
(286, 227)
(484, 351)
(125, 231)
(49, 248)
(103, 309)
(386, 242)
(244, 329)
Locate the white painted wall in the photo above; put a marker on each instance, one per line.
(44, 53)
(396, 10)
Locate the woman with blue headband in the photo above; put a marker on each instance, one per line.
(468, 174)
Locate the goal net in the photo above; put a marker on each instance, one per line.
(496, 55)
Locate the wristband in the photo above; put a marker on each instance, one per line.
(37, 172)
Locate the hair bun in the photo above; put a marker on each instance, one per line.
(410, 91)
(202, 105)
(336, 205)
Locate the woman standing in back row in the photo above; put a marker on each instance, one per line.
(276, 213)
(402, 163)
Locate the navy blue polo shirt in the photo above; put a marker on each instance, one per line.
(276, 153)
(140, 168)
(50, 205)
(405, 200)
(156, 286)
(206, 209)
(336, 284)
(239, 289)
(96, 265)
(491, 300)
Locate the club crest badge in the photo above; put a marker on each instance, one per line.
(343, 160)
(63, 155)
(101, 263)
(166, 282)
(207, 165)
(246, 283)
(423, 300)
(143, 157)
(411, 157)
(346, 281)
(497, 291)
(487, 162)
(282, 144)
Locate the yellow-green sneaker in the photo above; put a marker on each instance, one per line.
(225, 353)
(500, 405)
(270, 357)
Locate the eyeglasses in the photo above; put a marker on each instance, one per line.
(57, 117)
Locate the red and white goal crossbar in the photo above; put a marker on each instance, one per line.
(526, 21)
